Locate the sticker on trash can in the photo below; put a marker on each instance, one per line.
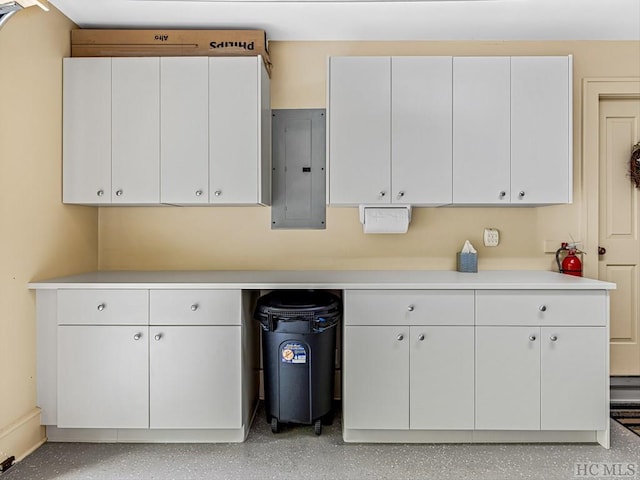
(293, 353)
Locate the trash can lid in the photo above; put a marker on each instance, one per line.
(306, 300)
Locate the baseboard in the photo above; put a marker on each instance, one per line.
(22, 437)
(625, 390)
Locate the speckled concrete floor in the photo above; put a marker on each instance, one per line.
(298, 453)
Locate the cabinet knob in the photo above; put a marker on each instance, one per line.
(101, 307)
(532, 338)
(502, 194)
(100, 193)
(158, 336)
(119, 193)
(217, 193)
(198, 193)
(411, 308)
(137, 336)
(400, 337)
(421, 337)
(553, 338)
(521, 194)
(543, 308)
(381, 193)
(400, 194)
(194, 307)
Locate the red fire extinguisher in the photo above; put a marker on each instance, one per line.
(571, 264)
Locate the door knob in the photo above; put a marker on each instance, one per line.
(602, 251)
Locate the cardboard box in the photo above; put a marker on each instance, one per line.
(169, 43)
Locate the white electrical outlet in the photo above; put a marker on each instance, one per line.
(491, 237)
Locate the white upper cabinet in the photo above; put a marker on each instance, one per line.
(135, 130)
(541, 124)
(236, 100)
(390, 130)
(442, 130)
(184, 133)
(86, 145)
(176, 130)
(481, 130)
(421, 95)
(359, 130)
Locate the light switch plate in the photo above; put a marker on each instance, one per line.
(491, 237)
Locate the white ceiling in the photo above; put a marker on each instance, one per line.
(373, 20)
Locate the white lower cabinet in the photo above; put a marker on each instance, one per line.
(541, 378)
(188, 365)
(181, 394)
(103, 376)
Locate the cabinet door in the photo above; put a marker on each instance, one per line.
(442, 378)
(481, 130)
(421, 155)
(184, 127)
(541, 165)
(135, 130)
(234, 129)
(103, 377)
(195, 377)
(376, 378)
(359, 130)
(573, 378)
(507, 378)
(86, 143)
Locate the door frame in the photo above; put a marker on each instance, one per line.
(594, 90)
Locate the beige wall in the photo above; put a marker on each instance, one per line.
(241, 238)
(39, 237)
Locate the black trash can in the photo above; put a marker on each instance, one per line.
(298, 353)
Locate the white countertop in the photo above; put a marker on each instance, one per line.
(325, 279)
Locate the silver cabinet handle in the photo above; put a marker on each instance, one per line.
(502, 194)
(411, 308)
(400, 337)
(198, 193)
(421, 337)
(194, 307)
(158, 336)
(400, 194)
(101, 307)
(553, 338)
(532, 338)
(137, 336)
(100, 192)
(119, 193)
(217, 193)
(382, 193)
(543, 308)
(521, 194)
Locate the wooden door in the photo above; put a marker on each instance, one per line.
(86, 130)
(441, 378)
(234, 130)
(195, 377)
(619, 215)
(421, 161)
(103, 376)
(507, 378)
(481, 130)
(135, 125)
(359, 130)
(376, 377)
(541, 109)
(184, 127)
(573, 380)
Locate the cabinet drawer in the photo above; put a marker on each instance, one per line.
(408, 307)
(103, 307)
(195, 307)
(541, 307)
